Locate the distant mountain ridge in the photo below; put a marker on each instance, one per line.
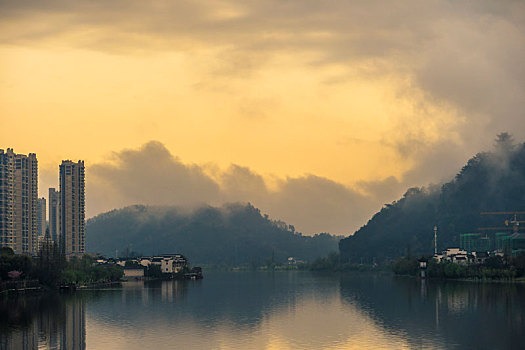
(490, 181)
(233, 234)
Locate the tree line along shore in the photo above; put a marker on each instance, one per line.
(51, 270)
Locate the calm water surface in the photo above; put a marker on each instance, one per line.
(281, 310)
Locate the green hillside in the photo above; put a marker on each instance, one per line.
(490, 181)
(234, 234)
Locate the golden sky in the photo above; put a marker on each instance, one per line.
(359, 94)
(283, 120)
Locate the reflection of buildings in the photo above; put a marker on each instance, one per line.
(448, 314)
(46, 324)
(74, 331)
(171, 290)
(23, 339)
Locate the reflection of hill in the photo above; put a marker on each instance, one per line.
(477, 316)
(240, 298)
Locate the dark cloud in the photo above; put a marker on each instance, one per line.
(151, 175)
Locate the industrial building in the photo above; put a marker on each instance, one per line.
(475, 242)
(501, 243)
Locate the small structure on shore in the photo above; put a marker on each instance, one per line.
(133, 272)
(194, 274)
(455, 255)
(423, 268)
(165, 266)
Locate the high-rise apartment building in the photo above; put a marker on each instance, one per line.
(18, 201)
(72, 205)
(54, 215)
(41, 216)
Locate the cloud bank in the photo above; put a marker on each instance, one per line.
(152, 175)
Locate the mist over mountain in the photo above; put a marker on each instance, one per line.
(153, 175)
(490, 181)
(233, 234)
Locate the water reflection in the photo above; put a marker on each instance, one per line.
(240, 299)
(289, 310)
(448, 314)
(235, 311)
(51, 321)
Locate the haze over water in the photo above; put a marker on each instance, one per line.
(282, 310)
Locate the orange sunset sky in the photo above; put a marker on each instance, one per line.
(318, 112)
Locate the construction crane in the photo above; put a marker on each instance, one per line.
(512, 224)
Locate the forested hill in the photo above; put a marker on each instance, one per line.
(490, 181)
(233, 235)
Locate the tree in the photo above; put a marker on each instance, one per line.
(9, 261)
(6, 251)
(490, 181)
(234, 235)
(504, 143)
(50, 264)
(153, 271)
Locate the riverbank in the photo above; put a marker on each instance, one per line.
(497, 268)
(51, 270)
(19, 286)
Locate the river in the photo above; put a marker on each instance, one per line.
(265, 310)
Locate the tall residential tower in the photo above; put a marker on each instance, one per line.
(54, 215)
(18, 201)
(41, 216)
(72, 204)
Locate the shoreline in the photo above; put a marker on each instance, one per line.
(20, 287)
(471, 280)
(26, 287)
